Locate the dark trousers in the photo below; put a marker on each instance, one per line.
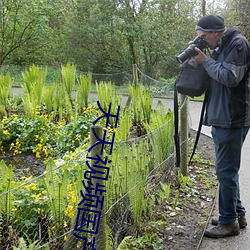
(228, 145)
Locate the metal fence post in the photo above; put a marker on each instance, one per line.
(184, 135)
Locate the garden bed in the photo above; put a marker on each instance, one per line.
(179, 221)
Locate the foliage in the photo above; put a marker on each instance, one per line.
(42, 137)
(161, 127)
(51, 200)
(108, 99)
(6, 184)
(5, 90)
(141, 110)
(22, 245)
(83, 90)
(147, 241)
(56, 183)
(68, 74)
(104, 36)
(23, 28)
(34, 81)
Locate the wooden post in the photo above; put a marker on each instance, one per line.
(184, 135)
(135, 74)
(135, 82)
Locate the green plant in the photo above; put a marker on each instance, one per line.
(34, 81)
(128, 177)
(30, 208)
(176, 199)
(56, 187)
(68, 74)
(123, 131)
(5, 90)
(161, 128)
(6, 196)
(147, 241)
(107, 96)
(48, 98)
(141, 109)
(83, 91)
(165, 190)
(184, 181)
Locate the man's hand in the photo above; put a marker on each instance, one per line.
(200, 58)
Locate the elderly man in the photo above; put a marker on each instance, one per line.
(228, 112)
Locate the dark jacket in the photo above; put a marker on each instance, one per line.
(229, 90)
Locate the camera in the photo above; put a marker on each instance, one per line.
(190, 51)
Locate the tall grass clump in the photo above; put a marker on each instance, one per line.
(83, 91)
(34, 80)
(68, 74)
(141, 106)
(161, 132)
(107, 94)
(125, 194)
(5, 90)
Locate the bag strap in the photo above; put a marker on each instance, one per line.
(176, 126)
(199, 127)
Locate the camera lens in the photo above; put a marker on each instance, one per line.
(187, 53)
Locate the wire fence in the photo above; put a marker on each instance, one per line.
(41, 213)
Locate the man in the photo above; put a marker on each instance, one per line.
(228, 112)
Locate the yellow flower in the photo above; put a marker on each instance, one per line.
(69, 211)
(31, 187)
(38, 155)
(6, 132)
(73, 199)
(14, 209)
(37, 196)
(12, 145)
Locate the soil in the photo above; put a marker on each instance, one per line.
(179, 220)
(187, 223)
(24, 164)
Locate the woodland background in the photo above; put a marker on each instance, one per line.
(107, 36)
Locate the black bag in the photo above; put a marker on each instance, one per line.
(192, 80)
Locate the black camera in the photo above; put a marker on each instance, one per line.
(190, 51)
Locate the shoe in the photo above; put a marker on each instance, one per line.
(221, 231)
(241, 219)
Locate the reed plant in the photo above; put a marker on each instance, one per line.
(161, 132)
(107, 94)
(137, 175)
(34, 80)
(83, 90)
(56, 184)
(125, 124)
(6, 184)
(68, 74)
(129, 169)
(48, 98)
(62, 106)
(5, 90)
(141, 104)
